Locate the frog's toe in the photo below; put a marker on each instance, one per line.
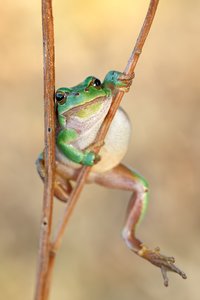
(126, 77)
(125, 88)
(165, 263)
(97, 158)
(126, 81)
(62, 189)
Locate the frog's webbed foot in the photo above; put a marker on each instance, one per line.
(62, 185)
(118, 81)
(165, 263)
(126, 81)
(62, 188)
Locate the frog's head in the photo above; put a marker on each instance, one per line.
(75, 99)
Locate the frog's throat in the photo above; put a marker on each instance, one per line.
(74, 109)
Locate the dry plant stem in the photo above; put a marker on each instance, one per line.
(130, 67)
(61, 229)
(102, 133)
(49, 152)
(106, 124)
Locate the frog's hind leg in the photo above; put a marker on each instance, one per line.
(62, 186)
(124, 178)
(121, 177)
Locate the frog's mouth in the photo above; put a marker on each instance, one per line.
(77, 108)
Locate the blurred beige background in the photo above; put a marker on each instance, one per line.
(93, 37)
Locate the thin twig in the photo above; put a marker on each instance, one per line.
(106, 124)
(61, 228)
(49, 152)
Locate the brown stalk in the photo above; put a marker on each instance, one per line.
(106, 124)
(49, 152)
(55, 245)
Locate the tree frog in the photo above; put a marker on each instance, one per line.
(80, 112)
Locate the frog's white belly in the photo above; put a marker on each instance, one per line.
(115, 147)
(116, 142)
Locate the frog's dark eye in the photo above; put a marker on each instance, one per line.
(60, 97)
(96, 82)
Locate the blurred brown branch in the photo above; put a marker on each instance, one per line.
(49, 152)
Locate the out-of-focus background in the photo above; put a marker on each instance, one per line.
(91, 38)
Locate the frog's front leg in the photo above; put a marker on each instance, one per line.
(62, 186)
(124, 178)
(64, 142)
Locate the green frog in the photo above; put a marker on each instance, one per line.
(80, 112)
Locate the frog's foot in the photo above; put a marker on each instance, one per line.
(97, 158)
(165, 263)
(126, 81)
(62, 185)
(62, 188)
(118, 81)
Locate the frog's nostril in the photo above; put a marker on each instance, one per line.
(77, 94)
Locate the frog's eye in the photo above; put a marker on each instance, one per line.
(60, 97)
(96, 82)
